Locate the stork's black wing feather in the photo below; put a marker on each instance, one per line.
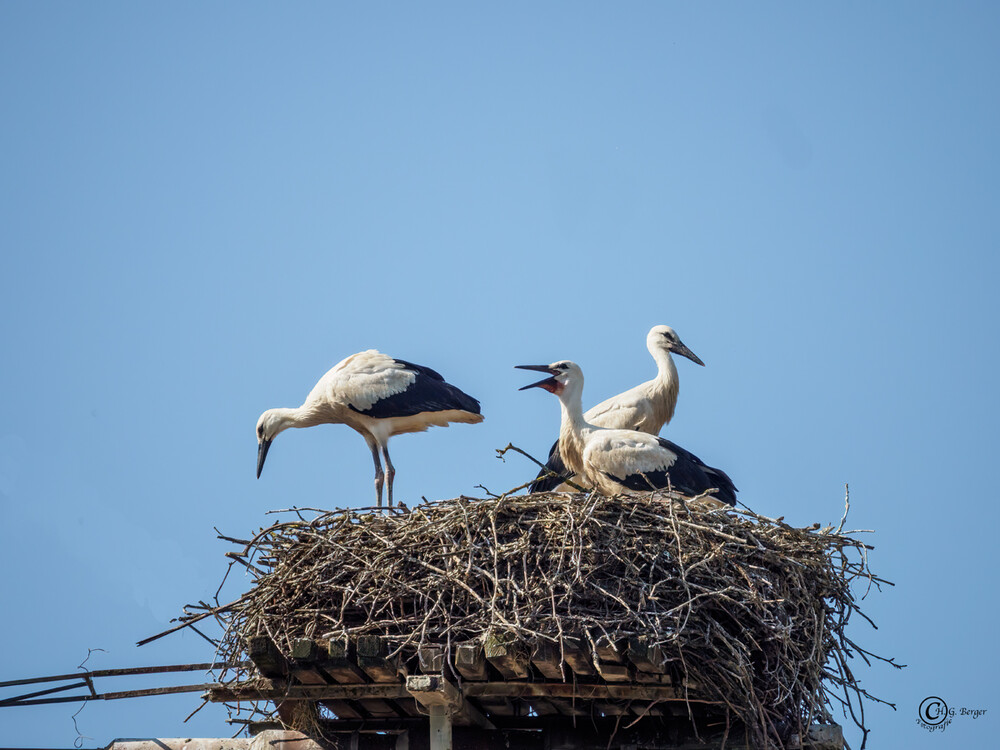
(420, 369)
(688, 475)
(544, 482)
(427, 392)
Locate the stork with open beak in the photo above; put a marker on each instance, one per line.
(647, 407)
(616, 461)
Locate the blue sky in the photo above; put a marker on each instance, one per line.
(205, 206)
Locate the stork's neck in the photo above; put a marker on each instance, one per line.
(665, 386)
(573, 428)
(572, 416)
(306, 415)
(666, 369)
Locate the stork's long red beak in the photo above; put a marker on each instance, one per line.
(550, 384)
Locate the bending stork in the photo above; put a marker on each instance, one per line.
(379, 397)
(623, 461)
(646, 407)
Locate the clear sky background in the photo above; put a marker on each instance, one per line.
(205, 206)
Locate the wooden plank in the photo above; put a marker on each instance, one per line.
(371, 656)
(576, 691)
(485, 690)
(431, 690)
(436, 692)
(821, 737)
(470, 716)
(272, 665)
(471, 662)
(305, 654)
(340, 663)
(267, 658)
(547, 659)
(310, 676)
(308, 650)
(610, 662)
(611, 709)
(510, 659)
(382, 709)
(343, 710)
(578, 657)
(569, 706)
(543, 707)
(648, 708)
(497, 706)
(647, 658)
(613, 672)
(431, 659)
(245, 691)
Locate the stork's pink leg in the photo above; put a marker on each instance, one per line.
(390, 471)
(379, 476)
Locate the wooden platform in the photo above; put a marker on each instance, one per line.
(588, 692)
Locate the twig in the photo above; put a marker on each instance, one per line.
(511, 447)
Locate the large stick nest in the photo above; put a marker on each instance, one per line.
(750, 610)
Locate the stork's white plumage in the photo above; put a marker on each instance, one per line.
(623, 461)
(647, 407)
(379, 397)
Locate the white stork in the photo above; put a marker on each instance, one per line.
(647, 407)
(379, 397)
(623, 461)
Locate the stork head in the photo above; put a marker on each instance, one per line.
(269, 425)
(665, 338)
(563, 374)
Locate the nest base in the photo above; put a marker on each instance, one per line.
(534, 612)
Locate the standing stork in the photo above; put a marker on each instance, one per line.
(623, 461)
(379, 397)
(647, 407)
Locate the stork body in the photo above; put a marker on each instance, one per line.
(647, 407)
(379, 397)
(618, 461)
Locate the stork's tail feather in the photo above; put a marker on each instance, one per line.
(726, 489)
(545, 481)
